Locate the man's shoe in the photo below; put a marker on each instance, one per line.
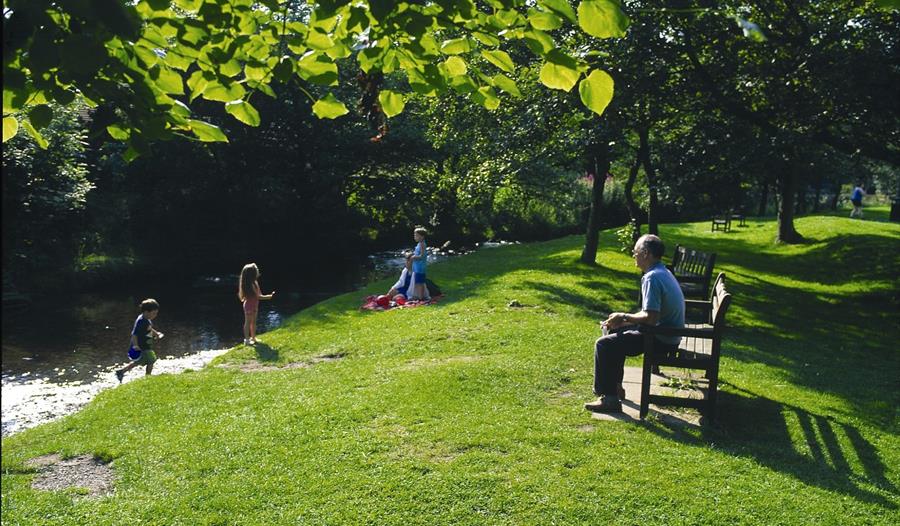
(606, 404)
(120, 375)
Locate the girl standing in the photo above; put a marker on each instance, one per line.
(249, 294)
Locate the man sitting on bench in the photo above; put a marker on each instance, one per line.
(662, 303)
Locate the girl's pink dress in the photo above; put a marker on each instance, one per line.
(251, 304)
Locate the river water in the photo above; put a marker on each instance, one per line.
(62, 351)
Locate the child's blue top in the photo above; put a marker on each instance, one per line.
(857, 194)
(419, 265)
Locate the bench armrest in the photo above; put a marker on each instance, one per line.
(705, 332)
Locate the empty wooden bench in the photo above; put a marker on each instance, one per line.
(722, 222)
(700, 348)
(693, 270)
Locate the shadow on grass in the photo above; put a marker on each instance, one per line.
(838, 260)
(756, 427)
(265, 353)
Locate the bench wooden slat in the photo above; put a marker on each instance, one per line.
(693, 270)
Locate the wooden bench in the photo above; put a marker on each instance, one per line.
(693, 270)
(722, 222)
(740, 218)
(700, 348)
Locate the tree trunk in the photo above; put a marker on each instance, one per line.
(652, 207)
(787, 181)
(600, 167)
(633, 209)
(764, 198)
(836, 197)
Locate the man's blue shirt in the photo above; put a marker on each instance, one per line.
(660, 292)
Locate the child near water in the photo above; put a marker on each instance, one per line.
(250, 294)
(419, 263)
(141, 351)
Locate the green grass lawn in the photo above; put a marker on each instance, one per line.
(470, 411)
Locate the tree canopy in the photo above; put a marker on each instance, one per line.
(150, 60)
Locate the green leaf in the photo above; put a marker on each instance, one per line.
(463, 84)
(500, 59)
(486, 39)
(13, 99)
(189, 5)
(180, 109)
(118, 132)
(146, 55)
(198, 82)
(456, 66)
(596, 91)
(329, 107)
(285, 68)
(62, 96)
(538, 42)
(255, 72)
(487, 97)
(207, 132)
(506, 84)
(560, 7)
(543, 21)
(36, 135)
(392, 103)
(602, 18)
(224, 92)
(230, 68)
(889, 5)
(318, 68)
(40, 116)
(168, 80)
(174, 58)
(131, 154)
(243, 111)
(83, 54)
(456, 46)
(320, 41)
(10, 128)
(559, 76)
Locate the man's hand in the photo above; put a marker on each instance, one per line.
(615, 320)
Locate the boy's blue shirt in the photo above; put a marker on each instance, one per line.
(419, 265)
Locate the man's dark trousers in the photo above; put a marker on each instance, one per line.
(609, 357)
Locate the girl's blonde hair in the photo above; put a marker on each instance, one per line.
(249, 275)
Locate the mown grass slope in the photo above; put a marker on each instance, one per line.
(470, 411)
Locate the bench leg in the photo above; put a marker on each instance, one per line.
(713, 375)
(645, 379)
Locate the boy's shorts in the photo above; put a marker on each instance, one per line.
(145, 357)
(419, 278)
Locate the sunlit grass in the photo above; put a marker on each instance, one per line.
(469, 411)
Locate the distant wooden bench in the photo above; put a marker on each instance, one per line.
(740, 218)
(700, 348)
(721, 222)
(693, 270)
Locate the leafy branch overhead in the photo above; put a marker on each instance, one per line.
(149, 60)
